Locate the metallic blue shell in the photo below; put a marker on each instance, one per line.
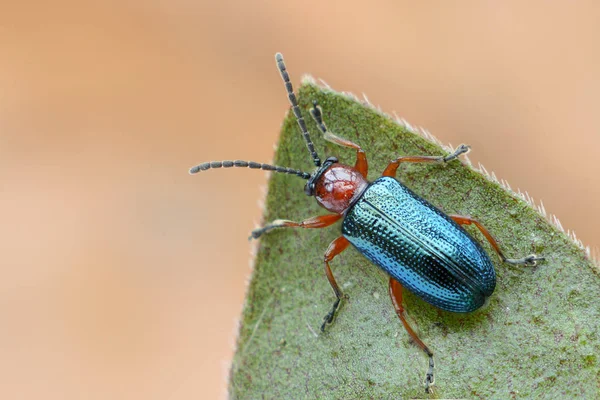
(419, 246)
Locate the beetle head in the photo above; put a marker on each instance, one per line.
(335, 186)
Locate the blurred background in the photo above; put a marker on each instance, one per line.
(123, 276)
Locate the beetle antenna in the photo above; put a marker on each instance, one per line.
(247, 164)
(294, 103)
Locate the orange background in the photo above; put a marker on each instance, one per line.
(123, 276)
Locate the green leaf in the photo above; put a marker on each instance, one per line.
(537, 337)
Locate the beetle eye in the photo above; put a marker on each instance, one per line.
(309, 188)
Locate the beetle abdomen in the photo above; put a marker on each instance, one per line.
(421, 247)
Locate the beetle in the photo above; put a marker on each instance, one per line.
(417, 245)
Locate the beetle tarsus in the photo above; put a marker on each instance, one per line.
(256, 233)
(315, 112)
(462, 149)
(530, 261)
(429, 379)
(330, 317)
(278, 223)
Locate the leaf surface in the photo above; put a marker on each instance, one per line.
(537, 338)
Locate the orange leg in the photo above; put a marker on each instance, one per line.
(530, 260)
(314, 222)
(336, 247)
(393, 166)
(361, 158)
(396, 296)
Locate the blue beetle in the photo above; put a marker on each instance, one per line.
(420, 247)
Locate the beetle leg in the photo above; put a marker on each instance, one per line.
(396, 296)
(530, 260)
(336, 247)
(321, 221)
(393, 166)
(361, 158)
